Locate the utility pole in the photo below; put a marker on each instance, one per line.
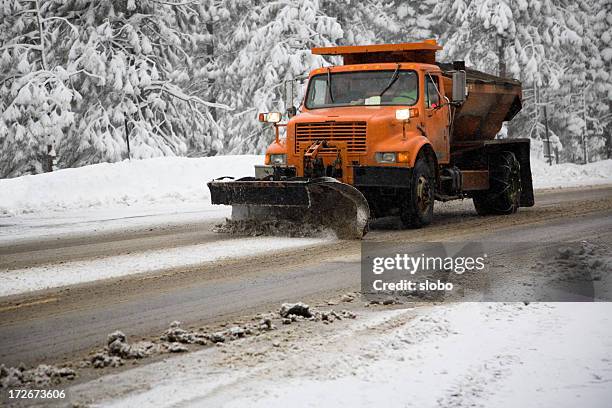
(608, 128)
(210, 51)
(127, 138)
(548, 149)
(535, 109)
(501, 47)
(584, 129)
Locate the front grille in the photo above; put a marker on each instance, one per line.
(353, 133)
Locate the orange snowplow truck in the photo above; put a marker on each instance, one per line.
(387, 133)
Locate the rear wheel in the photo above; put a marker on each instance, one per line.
(504, 193)
(417, 208)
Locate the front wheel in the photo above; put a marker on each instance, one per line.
(417, 208)
(504, 193)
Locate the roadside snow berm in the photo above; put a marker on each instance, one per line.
(387, 133)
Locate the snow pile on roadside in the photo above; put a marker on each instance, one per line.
(569, 174)
(127, 183)
(42, 375)
(175, 339)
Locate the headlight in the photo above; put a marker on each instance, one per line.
(385, 157)
(402, 114)
(392, 157)
(405, 114)
(278, 159)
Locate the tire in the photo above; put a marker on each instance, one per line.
(416, 210)
(504, 194)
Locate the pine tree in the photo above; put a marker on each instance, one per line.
(91, 75)
(35, 96)
(132, 55)
(268, 44)
(541, 43)
(598, 44)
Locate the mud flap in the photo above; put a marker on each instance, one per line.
(321, 202)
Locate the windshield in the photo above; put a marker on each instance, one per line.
(362, 88)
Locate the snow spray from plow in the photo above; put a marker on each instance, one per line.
(322, 202)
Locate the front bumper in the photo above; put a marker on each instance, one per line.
(382, 176)
(363, 176)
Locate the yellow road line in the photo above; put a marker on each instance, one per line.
(36, 302)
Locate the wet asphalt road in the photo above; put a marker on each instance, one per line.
(48, 326)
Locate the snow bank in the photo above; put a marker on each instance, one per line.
(569, 174)
(138, 182)
(179, 180)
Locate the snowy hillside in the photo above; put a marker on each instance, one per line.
(173, 181)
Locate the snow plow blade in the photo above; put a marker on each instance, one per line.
(322, 203)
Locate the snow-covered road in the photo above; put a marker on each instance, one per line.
(144, 304)
(459, 355)
(17, 281)
(97, 221)
(148, 250)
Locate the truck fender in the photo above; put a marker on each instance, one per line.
(414, 147)
(277, 147)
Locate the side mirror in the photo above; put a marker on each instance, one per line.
(291, 111)
(459, 86)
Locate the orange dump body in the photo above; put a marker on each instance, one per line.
(491, 101)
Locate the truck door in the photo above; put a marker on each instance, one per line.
(437, 117)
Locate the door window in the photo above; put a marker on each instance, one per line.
(431, 92)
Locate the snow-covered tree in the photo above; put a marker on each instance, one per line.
(269, 43)
(543, 43)
(35, 96)
(131, 55)
(92, 75)
(598, 46)
(364, 22)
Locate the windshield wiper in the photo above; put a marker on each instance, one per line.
(392, 81)
(329, 89)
